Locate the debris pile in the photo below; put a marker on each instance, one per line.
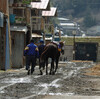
(94, 71)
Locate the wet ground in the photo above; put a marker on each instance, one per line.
(68, 81)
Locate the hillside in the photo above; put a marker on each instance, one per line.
(85, 12)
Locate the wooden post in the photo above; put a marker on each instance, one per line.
(59, 34)
(52, 32)
(8, 40)
(43, 28)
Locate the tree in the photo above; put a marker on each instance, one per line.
(74, 3)
(89, 21)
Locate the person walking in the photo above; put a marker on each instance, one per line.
(41, 49)
(31, 52)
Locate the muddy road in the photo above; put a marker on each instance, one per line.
(69, 80)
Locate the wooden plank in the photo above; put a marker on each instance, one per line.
(3, 6)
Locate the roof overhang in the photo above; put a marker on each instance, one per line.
(50, 13)
(19, 28)
(44, 4)
(34, 35)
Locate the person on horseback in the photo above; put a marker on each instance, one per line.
(31, 52)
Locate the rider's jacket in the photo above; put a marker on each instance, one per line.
(59, 48)
(31, 50)
(41, 49)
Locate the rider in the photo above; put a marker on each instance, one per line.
(59, 45)
(59, 48)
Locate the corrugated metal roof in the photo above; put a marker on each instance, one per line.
(40, 5)
(36, 35)
(64, 19)
(52, 12)
(67, 24)
(18, 28)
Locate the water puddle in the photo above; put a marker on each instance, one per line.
(46, 86)
(67, 94)
(1, 88)
(17, 80)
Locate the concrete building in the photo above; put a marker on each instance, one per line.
(82, 48)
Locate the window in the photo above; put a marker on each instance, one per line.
(18, 12)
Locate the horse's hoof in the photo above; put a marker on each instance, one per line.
(32, 72)
(46, 73)
(53, 73)
(49, 73)
(40, 74)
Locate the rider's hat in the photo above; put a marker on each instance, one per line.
(41, 41)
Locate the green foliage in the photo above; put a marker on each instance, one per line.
(79, 6)
(89, 21)
(75, 3)
(26, 1)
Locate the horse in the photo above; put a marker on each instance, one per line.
(52, 50)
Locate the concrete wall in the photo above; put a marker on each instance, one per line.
(87, 39)
(98, 54)
(69, 54)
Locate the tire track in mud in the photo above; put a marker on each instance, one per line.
(46, 86)
(3, 87)
(45, 89)
(43, 85)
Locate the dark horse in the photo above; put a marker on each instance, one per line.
(52, 51)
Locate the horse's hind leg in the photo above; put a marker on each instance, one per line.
(46, 67)
(52, 68)
(56, 65)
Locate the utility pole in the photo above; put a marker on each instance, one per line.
(74, 34)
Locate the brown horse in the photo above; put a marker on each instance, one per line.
(51, 50)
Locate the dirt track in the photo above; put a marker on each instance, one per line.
(70, 80)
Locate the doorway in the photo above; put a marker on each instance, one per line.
(86, 51)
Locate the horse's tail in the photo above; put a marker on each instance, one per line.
(43, 55)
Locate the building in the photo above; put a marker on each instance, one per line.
(20, 28)
(38, 22)
(86, 48)
(26, 22)
(5, 47)
(69, 26)
(48, 15)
